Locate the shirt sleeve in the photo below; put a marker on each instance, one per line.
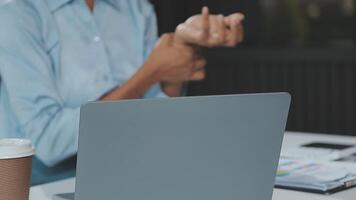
(29, 81)
(151, 37)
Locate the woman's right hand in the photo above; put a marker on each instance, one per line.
(175, 63)
(169, 64)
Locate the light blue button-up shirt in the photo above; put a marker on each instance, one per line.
(55, 55)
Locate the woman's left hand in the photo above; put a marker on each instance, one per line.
(211, 30)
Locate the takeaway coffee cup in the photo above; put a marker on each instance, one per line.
(15, 168)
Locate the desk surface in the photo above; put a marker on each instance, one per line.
(46, 192)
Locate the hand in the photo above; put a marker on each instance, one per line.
(168, 64)
(175, 63)
(211, 30)
(235, 31)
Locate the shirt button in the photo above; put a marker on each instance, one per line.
(97, 39)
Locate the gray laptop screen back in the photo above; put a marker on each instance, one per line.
(201, 148)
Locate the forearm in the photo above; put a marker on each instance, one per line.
(136, 86)
(171, 63)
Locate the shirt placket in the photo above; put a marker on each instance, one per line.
(103, 75)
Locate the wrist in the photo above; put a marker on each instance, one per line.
(172, 89)
(171, 83)
(179, 40)
(151, 70)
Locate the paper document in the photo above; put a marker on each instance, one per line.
(317, 154)
(317, 176)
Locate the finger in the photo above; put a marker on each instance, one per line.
(237, 18)
(222, 28)
(200, 64)
(166, 39)
(218, 31)
(206, 22)
(190, 34)
(227, 21)
(233, 19)
(235, 34)
(241, 33)
(198, 75)
(197, 52)
(162, 40)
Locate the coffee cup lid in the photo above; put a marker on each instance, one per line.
(15, 148)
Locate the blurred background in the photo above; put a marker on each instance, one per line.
(304, 47)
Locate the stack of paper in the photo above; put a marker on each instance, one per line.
(321, 177)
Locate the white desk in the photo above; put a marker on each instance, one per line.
(46, 192)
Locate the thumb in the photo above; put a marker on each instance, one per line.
(166, 39)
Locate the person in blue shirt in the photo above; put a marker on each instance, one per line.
(56, 55)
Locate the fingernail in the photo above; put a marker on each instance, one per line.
(241, 16)
(205, 9)
(221, 17)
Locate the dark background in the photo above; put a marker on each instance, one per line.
(304, 47)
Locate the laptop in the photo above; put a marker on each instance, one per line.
(191, 148)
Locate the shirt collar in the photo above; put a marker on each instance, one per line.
(114, 3)
(55, 4)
